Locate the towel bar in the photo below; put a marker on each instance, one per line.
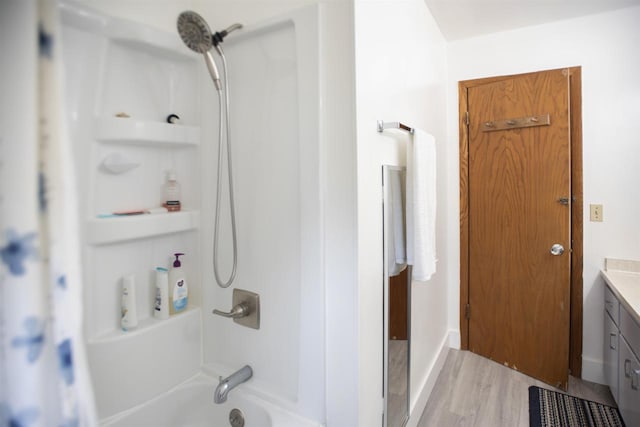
(381, 126)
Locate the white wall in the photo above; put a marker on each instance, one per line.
(400, 76)
(338, 159)
(606, 46)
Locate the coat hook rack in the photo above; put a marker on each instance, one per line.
(520, 122)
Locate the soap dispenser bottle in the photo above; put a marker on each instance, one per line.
(179, 292)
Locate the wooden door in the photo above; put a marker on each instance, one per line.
(519, 196)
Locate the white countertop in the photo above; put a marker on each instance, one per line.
(624, 280)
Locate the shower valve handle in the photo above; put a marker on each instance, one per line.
(240, 310)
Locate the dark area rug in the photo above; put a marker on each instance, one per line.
(552, 409)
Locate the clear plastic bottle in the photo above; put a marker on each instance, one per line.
(171, 196)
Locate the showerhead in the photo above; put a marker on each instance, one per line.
(195, 32)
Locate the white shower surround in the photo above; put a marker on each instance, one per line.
(273, 79)
(114, 65)
(190, 405)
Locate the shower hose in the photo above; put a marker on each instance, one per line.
(216, 232)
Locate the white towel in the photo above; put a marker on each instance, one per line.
(421, 205)
(397, 256)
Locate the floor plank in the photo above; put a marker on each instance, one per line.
(474, 391)
(397, 405)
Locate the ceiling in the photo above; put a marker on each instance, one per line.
(460, 19)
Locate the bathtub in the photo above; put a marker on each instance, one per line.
(190, 404)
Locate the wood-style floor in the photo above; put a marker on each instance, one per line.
(398, 381)
(474, 391)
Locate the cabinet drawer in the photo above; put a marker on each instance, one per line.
(611, 305)
(610, 353)
(630, 330)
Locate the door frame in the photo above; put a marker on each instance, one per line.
(575, 117)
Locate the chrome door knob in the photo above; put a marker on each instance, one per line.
(557, 249)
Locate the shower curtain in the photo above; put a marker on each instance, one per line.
(43, 373)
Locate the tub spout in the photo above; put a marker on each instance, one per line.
(231, 382)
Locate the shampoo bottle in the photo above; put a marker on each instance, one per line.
(161, 305)
(129, 313)
(179, 293)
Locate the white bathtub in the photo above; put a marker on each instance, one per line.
(191, 405)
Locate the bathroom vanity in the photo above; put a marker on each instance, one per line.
(621, 348)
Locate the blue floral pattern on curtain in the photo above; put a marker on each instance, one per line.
(43, 373)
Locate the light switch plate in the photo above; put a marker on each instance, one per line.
(596, 213)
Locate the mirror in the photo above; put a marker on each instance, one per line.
(397, 297)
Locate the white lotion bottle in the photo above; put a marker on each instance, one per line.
(161, 304)
(178, 290)
(129, 312)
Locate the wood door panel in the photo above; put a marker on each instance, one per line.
(398, 306)
(518, 291)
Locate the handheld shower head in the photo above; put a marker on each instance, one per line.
(195, 33)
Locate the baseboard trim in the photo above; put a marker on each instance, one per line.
(430, 381)
(454, 339)
(592, 370)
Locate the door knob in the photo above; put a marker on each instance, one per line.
(557, 249)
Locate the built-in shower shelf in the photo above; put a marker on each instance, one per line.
(131, 131)
(102, 231)
(149, 325)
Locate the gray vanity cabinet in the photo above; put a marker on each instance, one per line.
(621, 363)
(629, 369)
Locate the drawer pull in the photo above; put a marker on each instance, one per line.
(634, 384)
(627, 362)
(612, 341)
